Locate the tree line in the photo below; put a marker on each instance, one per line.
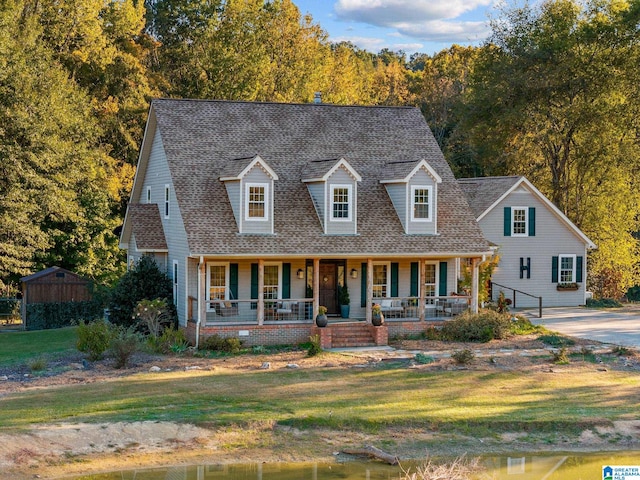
(552, 94)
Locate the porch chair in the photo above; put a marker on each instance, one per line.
(391, 308)
(286, 310)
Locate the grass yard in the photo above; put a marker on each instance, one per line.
(20, 347)
(367, 400)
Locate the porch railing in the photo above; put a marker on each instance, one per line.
(435, 307)
(245, 311)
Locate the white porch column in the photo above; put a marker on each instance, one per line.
(202, 296)
(370, 289)
(316, 286)
(422, 275)
(475, 276)
(260, 307)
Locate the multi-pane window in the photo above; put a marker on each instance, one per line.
(421, 206)
(217, 283)
(380, 280)
(271, 281)
(256, 202)
(340, 203)
(567, 268)
(175, 282)
(430, 282)
(519, 221)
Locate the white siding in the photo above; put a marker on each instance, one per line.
(552, 238)
(234, 194)
(398, 195)
(422, 178)
(257, 175)
(316, 190)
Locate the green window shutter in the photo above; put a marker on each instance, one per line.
(507, 221)
(394, 279)
(579, 269)
(414, 279)
(286, 280)
(363, 286)
(532, 221)
(554, 269)
(443, 279)
(254, 284)
(233, 281)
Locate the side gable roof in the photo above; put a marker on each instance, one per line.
(484, 193)
(201, 137)
(146, 225)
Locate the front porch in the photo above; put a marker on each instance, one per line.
(412, 295)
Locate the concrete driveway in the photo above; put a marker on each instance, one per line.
(618, 327)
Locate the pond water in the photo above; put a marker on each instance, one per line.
(516, 467)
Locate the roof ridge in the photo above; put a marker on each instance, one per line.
(311, 104)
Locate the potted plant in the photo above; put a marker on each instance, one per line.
(377, 318)
(321, 318)
(345, 301)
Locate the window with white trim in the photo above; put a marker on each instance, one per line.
(175, 282)
(341, 203)
(421, 203)
(381, 280)
(519, 221)
(567, 268)
(272, 281)
(217, 284)
(257, 201)
(430, 281)
(167, 196)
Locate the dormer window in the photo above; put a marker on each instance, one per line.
(421, 203)
(341, 199)
(257, 195)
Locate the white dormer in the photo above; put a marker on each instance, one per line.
(413, 189)
(249, 183)
(333, 186)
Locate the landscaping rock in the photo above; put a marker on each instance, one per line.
(155, 368)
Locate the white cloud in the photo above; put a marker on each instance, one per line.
(370, 44)
(387, 13)
(425, 20)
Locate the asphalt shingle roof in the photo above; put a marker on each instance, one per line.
(147, 226)
(201, 137)
(482, 192)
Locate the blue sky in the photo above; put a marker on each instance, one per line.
(426, 26)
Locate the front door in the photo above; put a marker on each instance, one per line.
(328, 287)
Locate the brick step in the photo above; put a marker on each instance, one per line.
(351, 335)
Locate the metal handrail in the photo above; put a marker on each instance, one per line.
(514, 296)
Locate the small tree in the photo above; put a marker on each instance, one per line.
(144, 281)
(153, 313)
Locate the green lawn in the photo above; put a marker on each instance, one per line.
(369, 400)
(19, 347)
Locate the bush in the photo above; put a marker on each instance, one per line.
(423, 359)
(603, 303)
(123, 345)
(463, 357)
(555, 340)
(153, 314)
(144, 281)
(94, 338)
(43, 316)
(482, 327)
(218, 344)
(560, 357)
(171, 341)
(314, 346)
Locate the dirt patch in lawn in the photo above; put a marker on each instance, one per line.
(52, 451)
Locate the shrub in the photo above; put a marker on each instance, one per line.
(603, 303)
(153, 314)
(463, 357)
(43, 316)
(94, 338)
(423, 359)
(522, 326)
(123, 345)
(37, 364)
(145, 280)
(560, 357)
(218, 344)
(482, 327)
(314, 346)
(171, 341)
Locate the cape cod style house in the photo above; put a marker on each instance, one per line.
(542, 253)
(262, 212)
